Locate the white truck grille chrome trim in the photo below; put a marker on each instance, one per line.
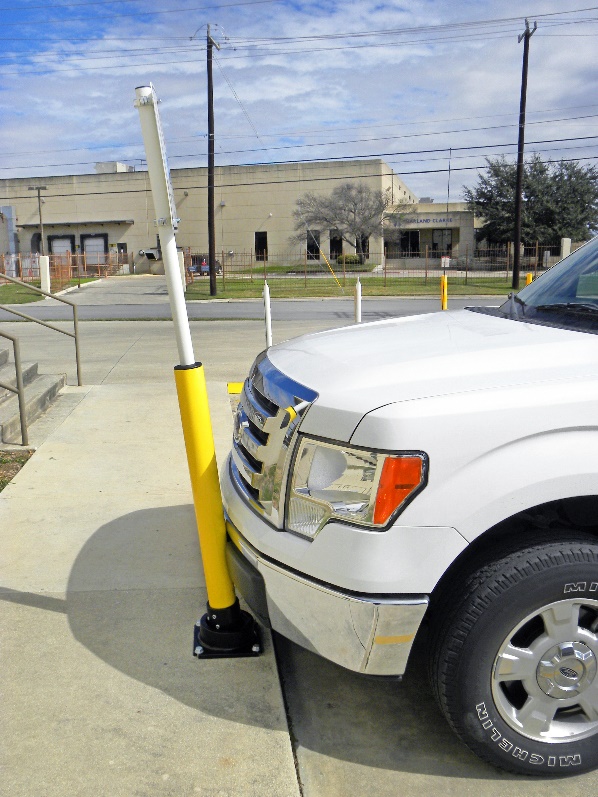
(269, 412)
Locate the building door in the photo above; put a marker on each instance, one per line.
(95, 248)
(61, 244)
(261, 246)
(442, 241)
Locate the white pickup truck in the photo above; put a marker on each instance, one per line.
(437, 476)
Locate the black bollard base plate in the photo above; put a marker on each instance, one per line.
(212, 643)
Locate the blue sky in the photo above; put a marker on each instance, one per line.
(419, 84)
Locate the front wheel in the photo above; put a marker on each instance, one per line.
(515, 659)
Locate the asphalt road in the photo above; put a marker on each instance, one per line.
(146, 297)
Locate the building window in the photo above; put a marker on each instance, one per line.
(313, 244)
(261, 246)
(336, 244)
(442, 241)
(405, 244)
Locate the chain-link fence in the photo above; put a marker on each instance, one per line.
(303, 274)
(65, 269)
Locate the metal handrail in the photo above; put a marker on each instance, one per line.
(74, 335)
(19, 390)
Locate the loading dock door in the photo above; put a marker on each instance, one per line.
(60, 245)
(94, 247)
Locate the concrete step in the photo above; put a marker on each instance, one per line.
(3, 356)
(8, 377)
(38, 395)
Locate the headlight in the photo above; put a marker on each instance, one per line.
(355, 485)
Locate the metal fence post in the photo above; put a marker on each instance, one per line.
(466, 261)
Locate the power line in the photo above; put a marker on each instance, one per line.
(33, 70)
(312, 132)
(325, 159)
(253, 54)
(236, 96)
(464, 25)
(256, 183)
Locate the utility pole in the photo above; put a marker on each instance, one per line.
(211, 228)
(39, 190)
(526, 36)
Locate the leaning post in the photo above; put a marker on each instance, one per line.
(224, 630)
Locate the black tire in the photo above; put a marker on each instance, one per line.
(514, 659)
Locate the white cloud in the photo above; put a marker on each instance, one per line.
(81, 98)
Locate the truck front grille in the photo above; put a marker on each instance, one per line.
(269, 411)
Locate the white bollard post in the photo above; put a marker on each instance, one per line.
(267, 315)
(358, 302)
(565, 247)
(44, 272)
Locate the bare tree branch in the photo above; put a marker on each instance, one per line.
(353, 210)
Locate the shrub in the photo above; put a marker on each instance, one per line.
(349, 260)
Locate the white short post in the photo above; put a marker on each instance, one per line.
(358, 302)
(44, 272)
(267, 315)
(565, 247)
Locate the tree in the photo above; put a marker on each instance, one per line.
(560, 200)
(353, 210)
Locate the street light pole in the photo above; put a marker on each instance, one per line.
(211, 224)
(39, 190)
(526, 36)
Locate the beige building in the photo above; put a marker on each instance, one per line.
(109, 214)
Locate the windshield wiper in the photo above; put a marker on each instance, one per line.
(575, 307)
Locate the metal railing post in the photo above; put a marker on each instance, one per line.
(20, 388)
(77, 352)
(74, 334)
(21, 392)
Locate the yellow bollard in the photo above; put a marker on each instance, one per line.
(201, 456)
(225, 631)
(444, 292)
(529, 278)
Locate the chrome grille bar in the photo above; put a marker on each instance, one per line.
(268, 414)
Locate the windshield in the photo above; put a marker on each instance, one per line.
(572, 281)
(565, 296)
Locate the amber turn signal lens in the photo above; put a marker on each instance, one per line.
(400, 477)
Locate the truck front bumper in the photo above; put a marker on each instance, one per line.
(365, 633)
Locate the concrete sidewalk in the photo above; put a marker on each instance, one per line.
(101, 583)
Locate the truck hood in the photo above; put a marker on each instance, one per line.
(358, 369)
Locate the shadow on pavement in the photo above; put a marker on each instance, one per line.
(134, 593)
(378, 722)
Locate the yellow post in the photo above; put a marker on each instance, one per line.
(444, 292)
(201, 457)
(225, 630)
(529, 278)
